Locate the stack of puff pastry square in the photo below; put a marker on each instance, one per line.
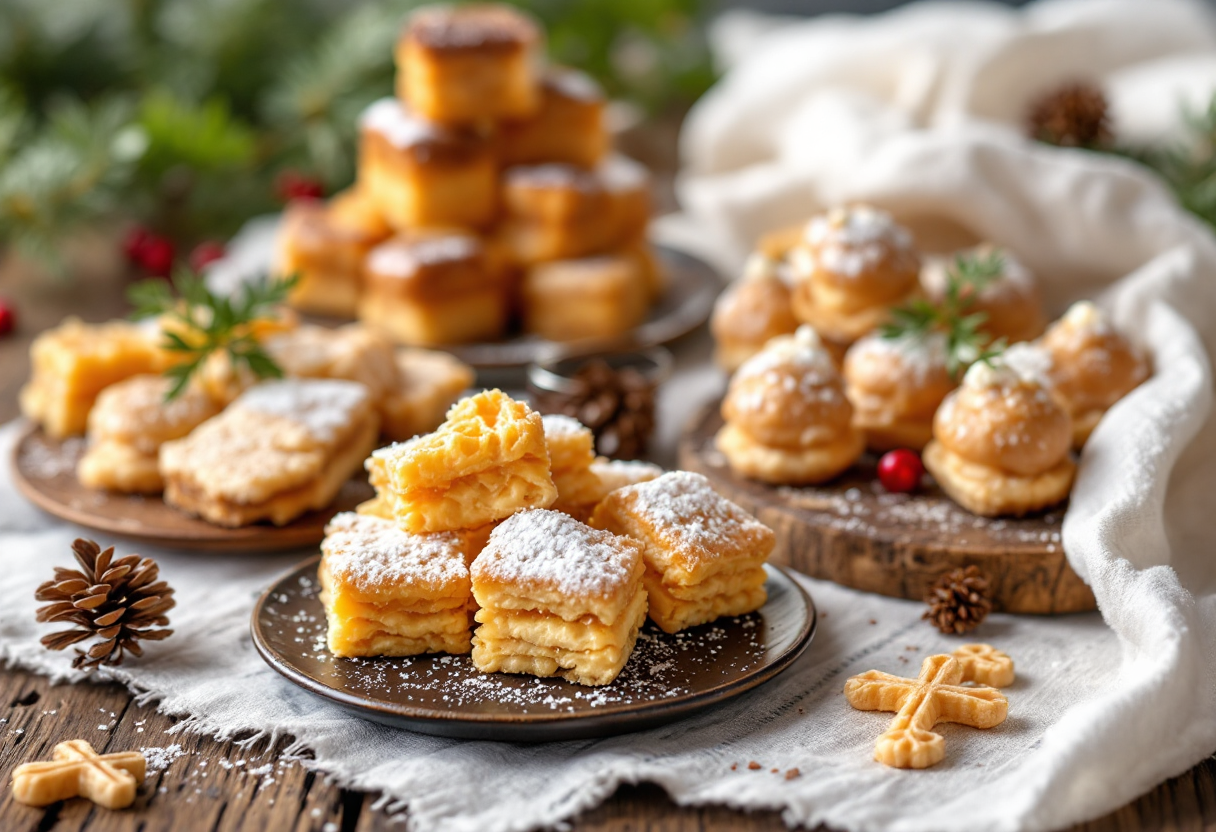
(486, 462)
(388, 593)
(557, 598)
(571, 455)
(704, 554)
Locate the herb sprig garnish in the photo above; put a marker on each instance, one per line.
(966, 343)
(197, 322)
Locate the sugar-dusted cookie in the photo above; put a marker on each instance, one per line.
(704, 554)
(389, 593)
(282, 448)
(486, 462)
(557, 598)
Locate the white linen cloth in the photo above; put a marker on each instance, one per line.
(890, 110)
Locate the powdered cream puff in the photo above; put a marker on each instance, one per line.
(1001, 442)
(895, 386)
(752, 311)
(1092, 366)
(788, 420)
(851, 266)
(1011, 300)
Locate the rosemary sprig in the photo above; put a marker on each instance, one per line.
(198, 322)
(966, 278)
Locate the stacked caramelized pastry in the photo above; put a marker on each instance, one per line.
(485, 188)
(788, 421)
(1001, 441)
(850, 267)
(462, 524)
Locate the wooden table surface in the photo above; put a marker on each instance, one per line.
(209, 785)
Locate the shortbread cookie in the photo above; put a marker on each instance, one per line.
(281, 449)
(937, 695)
(469, 64)
(128, 425)
(557, 598)
(704, 554)
(388, 593)
(109, 780)
(75, 361)
(486, 462)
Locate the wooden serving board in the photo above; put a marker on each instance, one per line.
(851, 531)
(44, 471)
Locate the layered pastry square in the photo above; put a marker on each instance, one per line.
(75, 361)
(419, 173)
(571, 454)
(470, 63)
(587, 298)
(127, 426)
(429, 288)
(324, 246)
(569, 126)
(388, 593)
(486, 462)
(557, 211)
(557, 598)
(281, 449)
(431, 382)
(704, 554)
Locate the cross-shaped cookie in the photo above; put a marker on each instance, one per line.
(985, 665)
(936, 696)
(76, 770)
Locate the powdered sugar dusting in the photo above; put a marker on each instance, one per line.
(402, 258)
(688, 510)
(850, 241)
(1087, 317)
(549, 548)
(370, 552)
(558, 424)
(322, 406)
(573, 84)
(918, 356)
(802, 351)
(393, 120)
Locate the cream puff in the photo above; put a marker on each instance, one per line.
(752, 311)
(895, 386)
(788, 421)
(851, 266)
(1010, 299)
(1092, 366)
(1001, 442)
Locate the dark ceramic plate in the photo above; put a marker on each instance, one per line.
(668, 676)
(44, 471)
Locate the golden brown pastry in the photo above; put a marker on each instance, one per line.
(431, 382)
(788, 420)
(851, 266)
(418, 173)
(569, 126)
(434, 287)
(1001, 441)
(1092, 366)
(596, 297)
(895, 386)
(465, 64)
(751, 311)
(1012, 302)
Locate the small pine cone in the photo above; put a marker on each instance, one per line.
(617, 405)
(118, 601)
(1075, 115)
(959, 601)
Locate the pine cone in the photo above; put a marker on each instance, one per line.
(117, 601)
(618, 406)
(1075, 115)
(959, 601)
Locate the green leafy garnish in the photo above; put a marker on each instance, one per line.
(197, 322)
(966, 343)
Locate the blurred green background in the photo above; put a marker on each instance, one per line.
(186, 117)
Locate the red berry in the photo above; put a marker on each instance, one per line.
(206, 252)
(133, 243)
(900, 471)
(8, 318)
(156, 256)
(291, 185)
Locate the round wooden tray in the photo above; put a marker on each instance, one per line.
(854, 533)
(667, 677)
(44, 471)
(691, 288)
